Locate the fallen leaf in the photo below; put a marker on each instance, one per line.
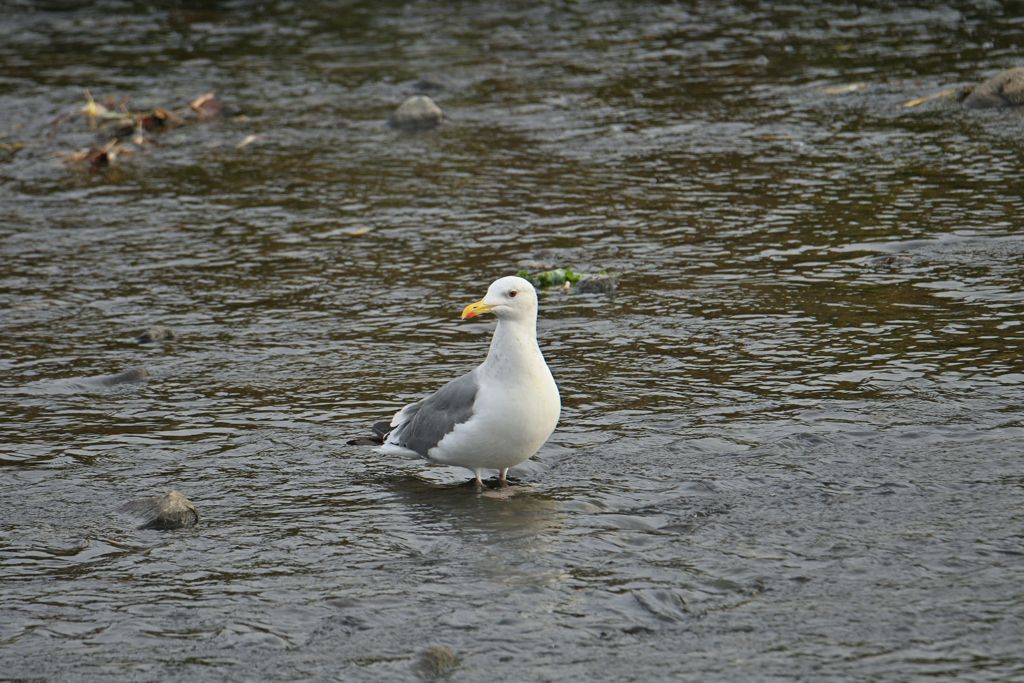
(206, 107)
(92, 109)
(125, 129)
(199, 101)
(842, 89)
(100, 158)
(249, 139)
(97, 158)
(922, 100)
(160, 119)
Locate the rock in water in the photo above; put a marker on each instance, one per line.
(156, 334)
(1005, 89)
(171, 510)
(126, 377)
(98, 383)
(892, 260)
(416, 113)
(437, 661)
(598, 284)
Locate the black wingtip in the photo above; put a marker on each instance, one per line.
(367, 441)
(380, 433)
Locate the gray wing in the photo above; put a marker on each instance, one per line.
(428, 421)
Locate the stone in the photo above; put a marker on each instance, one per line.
(98, 383)
(126, 377)
(437, 661)
(892, 260)
(601, 283)
(1005, 89)
(416, 113)
(157, 333)
(170, 510)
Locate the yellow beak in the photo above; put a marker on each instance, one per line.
(476, 309)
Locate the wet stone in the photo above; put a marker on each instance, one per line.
(437, 661)
(891, 260)
(1005, 89)
(171, 510)
(416, 113)
(601, 283)
(126, 377)
(157, 333)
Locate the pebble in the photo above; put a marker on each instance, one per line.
(126, 377)
(157, 333)
(416, 113)
(170, 510)
(891, 260)
(437, 661)
(601, 283)
(1005, 89)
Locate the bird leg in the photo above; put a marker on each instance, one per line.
(479, 482)
(502, 481)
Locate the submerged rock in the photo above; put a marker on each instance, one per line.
(126, 377)
(157, 333)
(602, 283)
(170, 510)
(437, 661)
(1005, 89)
(892, 260)
(99, 383)
(416, 113)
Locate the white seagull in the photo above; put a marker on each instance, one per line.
(496, 416)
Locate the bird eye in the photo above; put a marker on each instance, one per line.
(512, 293)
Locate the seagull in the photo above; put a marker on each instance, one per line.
(495, 416)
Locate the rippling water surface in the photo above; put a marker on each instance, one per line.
(791, 444)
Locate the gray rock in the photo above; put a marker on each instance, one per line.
(126, 377)
(157, 333)
(892, 260)
(416, 113)
(1005, 89)
(601, 283)
(437, 661)
(99, 383)
(170, 510)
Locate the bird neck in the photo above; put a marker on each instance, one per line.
(514, 345)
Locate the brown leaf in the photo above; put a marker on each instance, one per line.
(160, 119)
(96, 159)
(206, 107)
(101, 158)
(922, 100)
(198, 102)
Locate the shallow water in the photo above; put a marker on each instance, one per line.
(791, 443)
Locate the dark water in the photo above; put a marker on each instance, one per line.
(791, 444)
